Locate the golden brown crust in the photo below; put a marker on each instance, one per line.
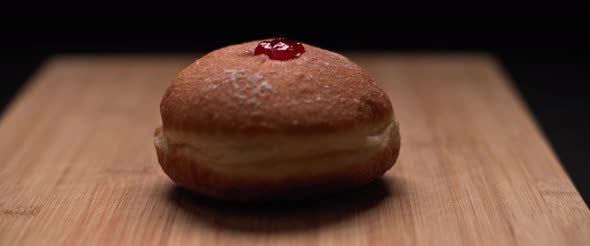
(225, 185)
(232, 91)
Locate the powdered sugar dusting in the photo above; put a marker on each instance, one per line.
(262, 87)
(242, 83)
(234, 73)
(256, 77)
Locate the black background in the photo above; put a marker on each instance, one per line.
(542, 44)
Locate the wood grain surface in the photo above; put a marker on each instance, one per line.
(78, 166)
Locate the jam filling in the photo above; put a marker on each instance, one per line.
(280, 49)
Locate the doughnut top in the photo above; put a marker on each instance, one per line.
(233, 91)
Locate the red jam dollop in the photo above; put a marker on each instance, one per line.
(280, 49)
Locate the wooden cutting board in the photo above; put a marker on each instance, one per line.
(78, 166)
